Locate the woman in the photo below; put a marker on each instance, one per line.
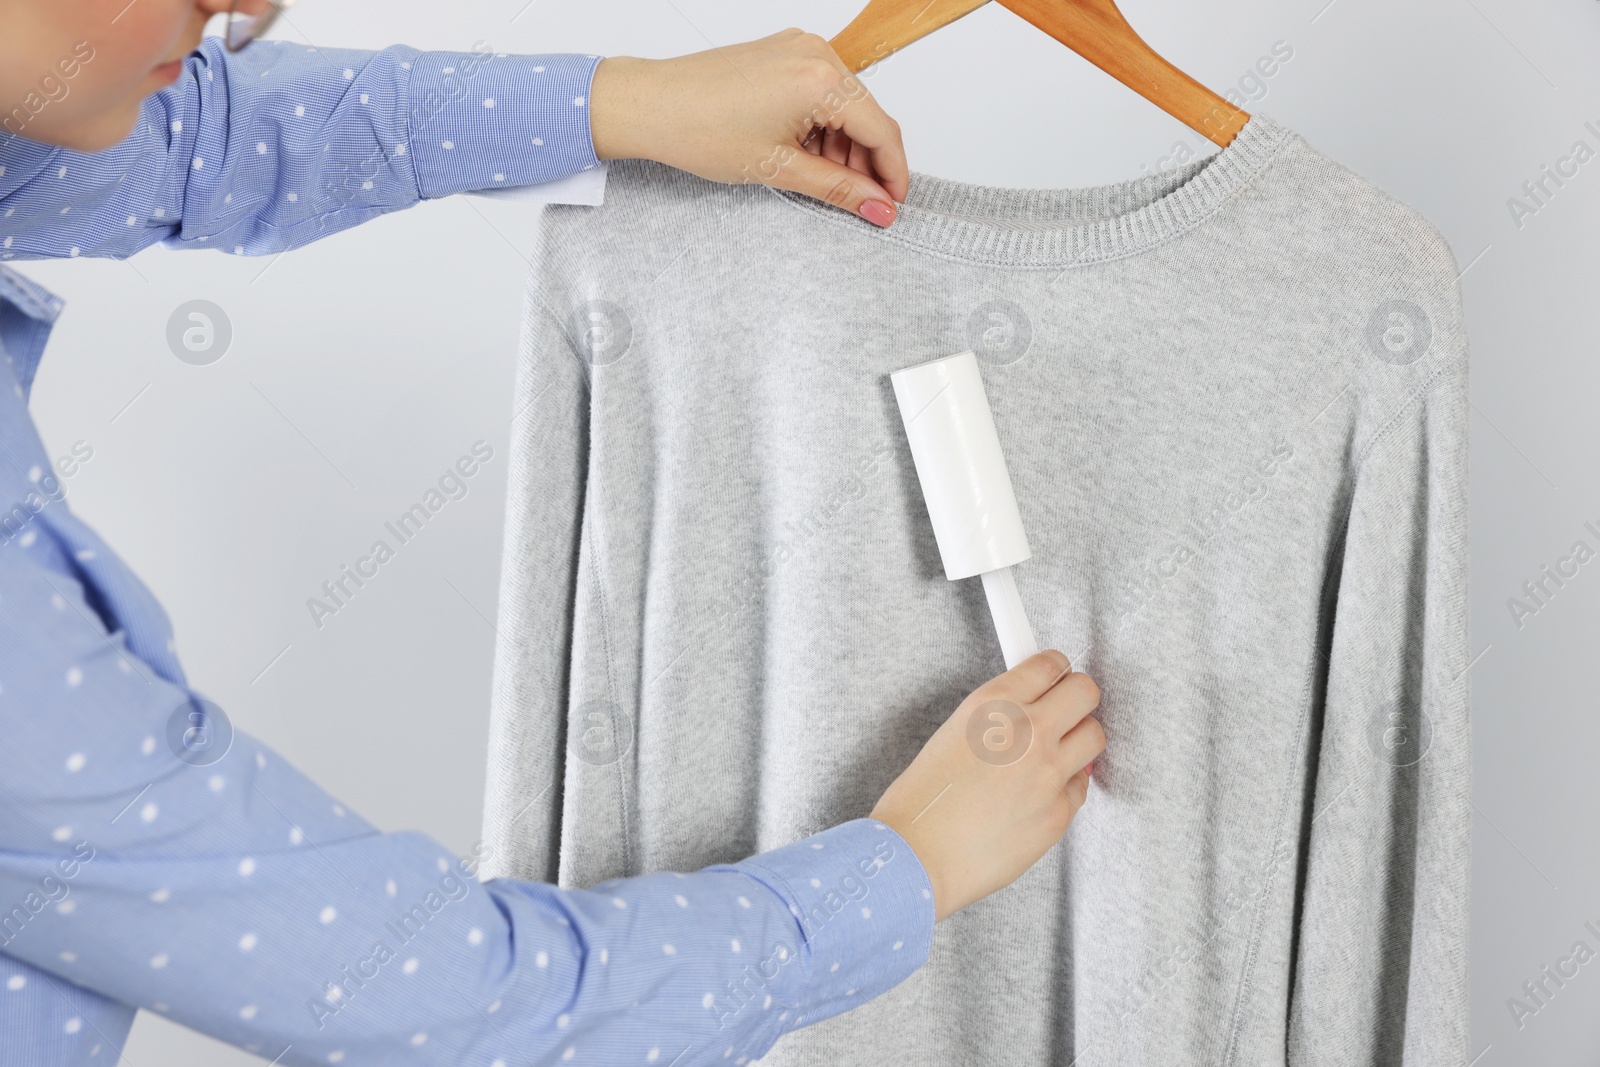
(144, 863)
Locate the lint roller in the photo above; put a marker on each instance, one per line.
(967, 487)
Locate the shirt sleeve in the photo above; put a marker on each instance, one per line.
(154, 857)
(1380, 974)
(273, 147)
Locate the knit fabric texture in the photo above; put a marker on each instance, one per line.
(1232, 398)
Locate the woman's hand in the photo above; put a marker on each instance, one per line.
(782, 111)
(999, 782)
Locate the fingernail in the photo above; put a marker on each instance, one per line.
(877, 212)
(1088, 769)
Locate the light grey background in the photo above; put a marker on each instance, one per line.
(361, 367)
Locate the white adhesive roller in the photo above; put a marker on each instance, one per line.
(967, 487)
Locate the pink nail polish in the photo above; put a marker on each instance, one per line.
(1088, 770)
(877, 212)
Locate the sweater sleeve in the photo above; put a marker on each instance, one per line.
(1381, 960)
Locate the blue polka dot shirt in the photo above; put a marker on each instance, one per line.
(152, 858)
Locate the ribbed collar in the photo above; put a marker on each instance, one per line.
(995, 226)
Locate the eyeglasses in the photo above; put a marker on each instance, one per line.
(249, 19)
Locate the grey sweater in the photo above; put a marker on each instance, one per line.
(1232, 399)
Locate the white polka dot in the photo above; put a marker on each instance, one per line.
(447, 70)
(159, 960)
(334, 994)
(62, 173)
(767, 1003)
(161, 896)
(498, 1063)
(261, 759)
(61, 833)
(449, 145)
(562, 1020)
(76, 761)
(618, 902)
(73, 1025)
(783, 953)
(349, 75)
(734, 944)
(577, 101)
(680, 901)
(147, 746)
(300, 112)
(247, 867)
(817, 847)
(488, 102)
(69, 957)
(133, 220)
(708, 1000)
(494, 1007)
(419, 1038)
(27, 540)
(441, 863)
(16, 982)
(177, 127)
(366, 98)
(75, 676)
(850, 992)
(293, 198)
(149, 812)
(366, 185)
(652, 1056)
(84, 554)
(296, 835)
(538, 140)
(567, 1055)
(816, 883)
(161, 212)
(247, 942)
(926, 895)
(542, 959)
(199, 164)
(669, 950)
(474, 936)
(743, 902)
(338, 809)
(499, 177)
(400, 150)
(336, 1057)
(605, 955)
(328, 914)
(390, 888)
(216, 782)
(66, 907)
(261, 148)
(835, 967)
(410, 966)
(866, 913)
(896, 945)
(247, 1012)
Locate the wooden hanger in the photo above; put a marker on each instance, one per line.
(1094, 29)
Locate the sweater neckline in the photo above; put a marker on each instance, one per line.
(1065, 227)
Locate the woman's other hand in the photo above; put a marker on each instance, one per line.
(782, 111)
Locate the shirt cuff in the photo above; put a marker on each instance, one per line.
(865, 909)
(488, 120)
